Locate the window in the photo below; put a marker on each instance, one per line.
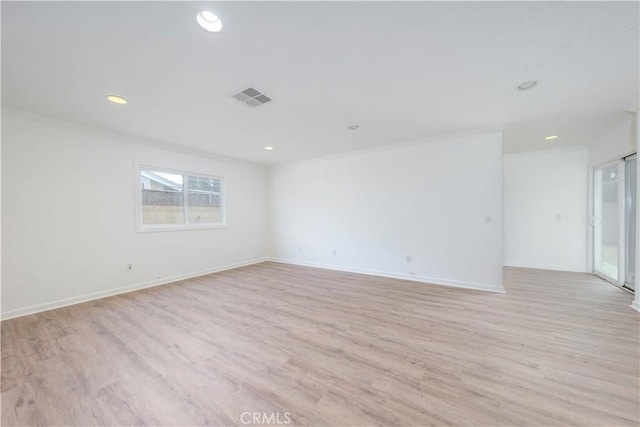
(172, 200)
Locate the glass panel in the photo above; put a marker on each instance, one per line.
(630, 220)
(204, 200)
(162, 198)
(607, 221)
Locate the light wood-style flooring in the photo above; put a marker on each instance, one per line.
(330, 349)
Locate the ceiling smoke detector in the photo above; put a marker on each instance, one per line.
(252, 97)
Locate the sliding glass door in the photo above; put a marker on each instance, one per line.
(607, 221)
(630, 168)
(614, 221)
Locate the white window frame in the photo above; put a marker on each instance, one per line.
(146, 228)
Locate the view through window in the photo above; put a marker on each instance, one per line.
(179, 199)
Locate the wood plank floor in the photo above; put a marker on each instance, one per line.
(330, 349)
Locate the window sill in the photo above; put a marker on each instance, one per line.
(179, 227)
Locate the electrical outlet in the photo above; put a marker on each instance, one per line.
(409, 259)
(299, 250)
(488, 219)
(333, 252)
(412, 273)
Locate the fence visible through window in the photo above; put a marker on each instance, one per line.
(164, 203)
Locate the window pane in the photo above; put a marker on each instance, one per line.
(204, 200)
(162, 198)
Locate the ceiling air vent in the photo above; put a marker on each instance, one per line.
(252, 97)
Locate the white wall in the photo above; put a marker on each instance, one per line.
(68, 216)
(545, 209)
(428, 201)
(614, 145)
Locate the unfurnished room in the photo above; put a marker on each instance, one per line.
(310, 213)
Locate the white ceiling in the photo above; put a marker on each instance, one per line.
(401, 70)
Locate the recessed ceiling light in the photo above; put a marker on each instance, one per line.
(268, 148)
(527, 85)
(209, 21)
(117, 99)
(354, 127)
(550, 137)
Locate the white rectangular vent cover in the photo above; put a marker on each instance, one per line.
(252, 97)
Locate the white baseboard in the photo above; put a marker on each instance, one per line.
(636, 305)
(122, 290)
(544, 267)
(422, 279)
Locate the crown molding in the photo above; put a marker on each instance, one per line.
(122, 136)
